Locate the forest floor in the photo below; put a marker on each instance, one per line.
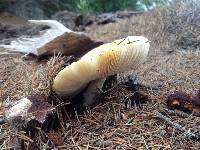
(173, 64)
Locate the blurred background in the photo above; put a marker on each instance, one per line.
(42, 9)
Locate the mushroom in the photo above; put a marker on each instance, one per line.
(108, 59)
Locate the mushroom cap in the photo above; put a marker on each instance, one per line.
(108, 59)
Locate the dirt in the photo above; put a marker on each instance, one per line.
(116, 123)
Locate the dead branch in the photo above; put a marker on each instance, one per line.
(177, 126)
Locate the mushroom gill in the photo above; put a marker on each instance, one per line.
(108, 59)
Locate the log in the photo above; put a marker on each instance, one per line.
(69, 43)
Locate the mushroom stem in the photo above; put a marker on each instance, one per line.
(93, 91)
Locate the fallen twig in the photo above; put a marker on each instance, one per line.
(177, 126)
(177, 112)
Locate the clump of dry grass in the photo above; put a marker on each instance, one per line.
(182, 23)
(179, 24)
(31, 77)
(168, 27)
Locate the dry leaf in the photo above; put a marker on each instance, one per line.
(56, 138)
(40, 108)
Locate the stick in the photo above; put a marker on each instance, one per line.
(177, 126)
(177, 112)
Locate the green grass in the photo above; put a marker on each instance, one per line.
(92, 6)
(4, 4)
(100, 6)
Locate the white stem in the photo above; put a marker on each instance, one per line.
(93, 91)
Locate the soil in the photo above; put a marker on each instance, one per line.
(117, 122)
